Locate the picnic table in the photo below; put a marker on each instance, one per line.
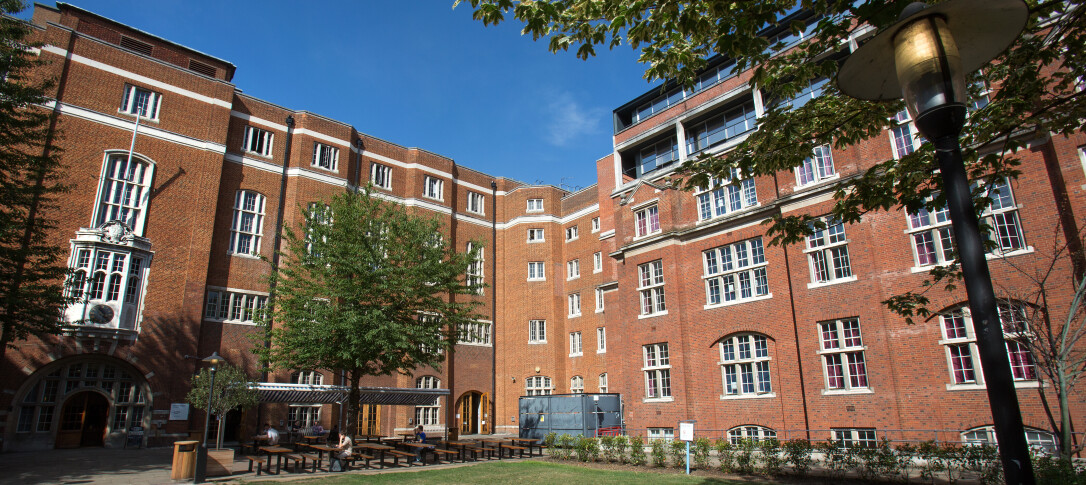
(278, 452)
(408, 436)
(320, 453)
(529, 442)
(421, 446)
(258, 440)
(461, 447)
(380, 449)
(367, 437)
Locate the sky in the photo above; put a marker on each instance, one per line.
(417, 73)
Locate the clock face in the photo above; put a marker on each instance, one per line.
(100, 314)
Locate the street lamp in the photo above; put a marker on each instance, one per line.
(201, 457)
(924, 58)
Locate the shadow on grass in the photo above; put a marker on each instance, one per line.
(86, 465)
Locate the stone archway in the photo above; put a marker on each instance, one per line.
(83, 419)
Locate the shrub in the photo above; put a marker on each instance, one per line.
(702, 447)
(565, 447)
(929, 452)
(607, 446)
(772, 461)
(725, 451)
(678, 454)
(550, 439)
(1051, 469)
(637, 450)
(838, 459)
(587, 448)
(878, 462)
(798, 455)
(745, 461)
(983, 461)
(659, 452)
(619, 445)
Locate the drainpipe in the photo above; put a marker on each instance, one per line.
(494, 307)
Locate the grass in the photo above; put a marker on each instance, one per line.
(522, 473)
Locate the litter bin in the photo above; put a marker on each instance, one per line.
(452, 434)
(184, 459)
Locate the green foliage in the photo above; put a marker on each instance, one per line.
(564, 449)
(745, 458)
(32, 266)
(549, 439)
(725, 452)
(836, 458)
(659, 452)
(1055, 470)
(678, 454)
(878, 462)
(618, 447)
(906, 462)
(702, 447)
(588, 448)
(607, 447)
(772, 459)
(231, 391)
(637, 450)
(931, 454)
(983, 461)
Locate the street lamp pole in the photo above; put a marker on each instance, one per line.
(923, 58)
(200, 474)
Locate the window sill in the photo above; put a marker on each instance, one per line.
(816, 183)
(533, 211)
(439, 199)
(657, 399)
(644, 236)
(831, 283)
(651, 315)
(232, 322)
(537, 342)
(842, 350)
(987, 257)
(572, 239)
(601, 351)
(594, 271)
(982, 386)
(725, 215)
(382, 187)
(531, 241)
(578, 354)
(573, 315)
(143, 119)
(599, 310)
(245, 255)
(767, 395)
(843, 392)
(469, 211)
(571, 278)
(326, 169)
(537, 279)
(737, 302)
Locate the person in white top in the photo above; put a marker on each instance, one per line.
(270, 434)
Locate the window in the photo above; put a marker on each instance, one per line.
(431, 414)
(317, 215)
(476, 268)
(475, 203)
(753, 433)
(571, 233)
(597, 262)
(576, 385)
(575, 348)
(960, 342)
(537, 331)
(234, 307)
(125, 192)
(665, 434)
(601, 340)
(647, 221)
(744, 362)
(535, 205)
(736, 120)
(105, 275)
(257, 141)
(1002, 215)
(735, 272)
(141, 102)
(725, 196)
(603, 382)
(651, 287)
(573, 269)
(537, 386)
(657, 371)
(656, 155)
(306, 414)
(811, 90)
(475, 333)
(827, 251)
(535, 235)
(595, 224)
(536, 271)
(855, 437)
(308, 377)
(38, 409)
(433, 188)
(326, 157)
(903, 137)
(817, 167)
(599, 300)
(1038, 440)
(843, 355)
(932, 233)
(381, 176)
(248, 223)
(575, 305)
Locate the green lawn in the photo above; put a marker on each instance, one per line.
(522, 473)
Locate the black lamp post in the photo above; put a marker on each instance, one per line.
(923, 58)
(200, 474)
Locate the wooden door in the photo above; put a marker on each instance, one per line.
(369, 420)
(484, 414)
(83, 421)
(464, 409)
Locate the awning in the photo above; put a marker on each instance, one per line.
(273, 392)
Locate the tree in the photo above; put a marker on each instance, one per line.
(32, 267)
(231, 392)
(367, 289)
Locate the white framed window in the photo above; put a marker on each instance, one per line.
(854, 437)
(475, 333)
(750, 432)
(308, 377)
(535, 205)
(827, 253)
(537, 331)
(571, 233)
(1002, 216)
(248, 223)
(107, 275)
(817, 167)
(723, 197)
(381, 176)
(317, 214)
(576, 385)
(601, 340)
(597, 262)
(476, 268)
(476, 203)
(124, 192)
(963, 358)
(325, 156)
(141, 102)
(599, 300)
(735, 272)
(234, 306)
(647, 221)
(257, 141)
(904, 139)
(651, 287)
(428, 415)
(306, 414)
(575, 348)
(38, 411)
(842, 352)
(536, 271)
(575, 305)
(665, 434)
(603, 383)
(535, 235)
(433, 188)
(722, 127)
(657, 371)
(595, 224)
(932, 232)
(744, 365)
(538, 386)
(1036, 439)
(573, 269)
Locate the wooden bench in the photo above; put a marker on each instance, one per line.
(513, 447)
(396, 455)
(475, 450)
(312, 457)
(440, 454)
(359, 456)
(296, 459)
(259, 463)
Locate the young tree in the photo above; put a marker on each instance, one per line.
(231, 392)
(32, 267)
(368, 289)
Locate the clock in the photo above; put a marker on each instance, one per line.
(100, 314)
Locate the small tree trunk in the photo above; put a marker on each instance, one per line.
(219, 432)
(353, 398)
(1066, 443)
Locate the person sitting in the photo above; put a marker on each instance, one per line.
(269, 433)
(318, 429)
(342, 452)
(420, 436)
(333, 435)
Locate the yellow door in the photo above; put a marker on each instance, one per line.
(369, 420)
(465, 414)
(484, 413)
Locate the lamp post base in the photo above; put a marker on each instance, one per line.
(200, 475)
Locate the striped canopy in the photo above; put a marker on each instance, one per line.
(273, 392)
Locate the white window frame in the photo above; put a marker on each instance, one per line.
(475, 333)
(1040, 441)
(257, 141)
(723, 197)
(536, 235)
(106, 274)
(657, 371)
(1024, 370)
(476, 203)
(381, 176)
(735, 273)
(751, 432)
(647, 221)
(537, 271)
(603, 383)
(574, 305)
(325, 157)
(599, 300)
(537, 331)
(855, 437)
(601, 340)
(247, 235)
(573, 269)
(827, 255)
(745, 356)
(847, 353)
(428, 415)
(535, 205)
(130, 104)
(903, 132)
(664, 434)
(650, 277)
(538, 386)
(433, 188)
(307, 377)
(571, 233)
(595, 224)
(597, 262)
(124, 191)
(308, 414)
(576, 385)
(239, 307)
(816, 168)
(476, 273)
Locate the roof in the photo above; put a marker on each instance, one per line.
(311, 394)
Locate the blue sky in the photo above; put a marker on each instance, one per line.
(413, 72)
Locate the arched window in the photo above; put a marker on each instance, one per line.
(125, 191)
(750, 432)
(603, 382)
(576, 385)
(431, 414)
(248, 223)
(1037, 439)
(744, 362)
(537, 386)
(311, 377)
(960, 343)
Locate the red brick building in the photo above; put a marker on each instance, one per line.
(673, 299)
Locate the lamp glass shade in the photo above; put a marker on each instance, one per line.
(214, 359)
(929, 67)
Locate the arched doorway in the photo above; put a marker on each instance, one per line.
(473, 408)
(83, 420)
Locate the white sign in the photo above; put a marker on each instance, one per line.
(179, 411)
(686, 431)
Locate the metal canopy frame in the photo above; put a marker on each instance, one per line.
(273, 392)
